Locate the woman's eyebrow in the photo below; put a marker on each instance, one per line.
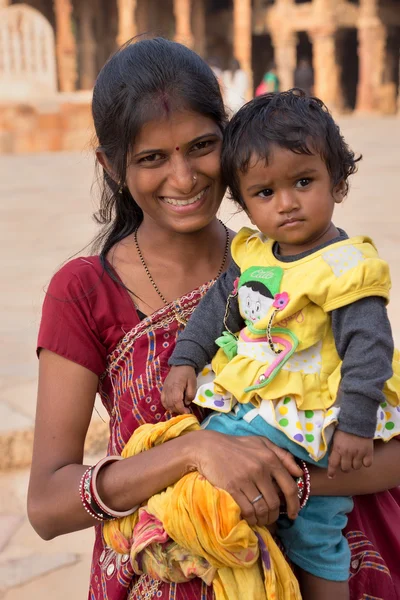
(158, 150)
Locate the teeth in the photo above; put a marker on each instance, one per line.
(184, 202)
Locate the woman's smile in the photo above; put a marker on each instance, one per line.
(190, 203)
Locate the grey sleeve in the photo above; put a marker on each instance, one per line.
(364, 342)
(196, 344)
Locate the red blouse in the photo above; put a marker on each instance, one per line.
(85, 314)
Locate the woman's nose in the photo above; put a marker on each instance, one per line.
(182, 176)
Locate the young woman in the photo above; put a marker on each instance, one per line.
(110, 322)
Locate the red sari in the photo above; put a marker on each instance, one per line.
(90, 319)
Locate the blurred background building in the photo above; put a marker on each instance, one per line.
(52, 50)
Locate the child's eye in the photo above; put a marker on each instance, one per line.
(304, 182)
(267, 193)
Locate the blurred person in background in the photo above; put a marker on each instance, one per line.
(235, 82)
(269, 82)
(304, 77)
(110, 323)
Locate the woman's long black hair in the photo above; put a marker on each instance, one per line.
(130, 90)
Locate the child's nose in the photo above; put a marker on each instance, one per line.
(286, 201)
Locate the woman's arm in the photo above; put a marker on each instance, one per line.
(65, 402)
(384, 474)
(243, 466)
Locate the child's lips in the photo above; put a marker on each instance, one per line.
(291, 222)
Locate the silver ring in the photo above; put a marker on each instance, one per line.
(256, 499)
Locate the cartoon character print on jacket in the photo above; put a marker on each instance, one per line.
(259, 297)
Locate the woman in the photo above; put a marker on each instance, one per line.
(110, 322)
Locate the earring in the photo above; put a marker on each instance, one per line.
(120, 187)
(194, 178)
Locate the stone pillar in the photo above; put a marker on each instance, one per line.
(242, 38)
(326, 69)
(284, 43)
(65, 46)
(371, 55)
(126, 21)
(183, 28)
(199, 27)
(87, 45)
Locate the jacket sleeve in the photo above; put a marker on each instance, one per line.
(364, 342)
(196, 344)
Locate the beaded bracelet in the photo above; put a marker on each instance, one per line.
(303, 487)
(111, 513)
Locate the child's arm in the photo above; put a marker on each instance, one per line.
(196, 346)
(364, 342)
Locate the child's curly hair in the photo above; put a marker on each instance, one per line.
(291, 120)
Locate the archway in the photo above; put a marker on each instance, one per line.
(28, 65)
(347, 58)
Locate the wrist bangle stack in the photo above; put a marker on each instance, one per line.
(91, 500)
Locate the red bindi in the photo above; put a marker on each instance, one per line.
(177, 148)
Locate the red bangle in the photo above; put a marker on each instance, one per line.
(115, 514)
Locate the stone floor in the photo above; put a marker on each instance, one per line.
(45, 219)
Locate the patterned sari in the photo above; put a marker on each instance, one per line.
(130, 390)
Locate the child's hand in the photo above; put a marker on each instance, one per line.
(349, 452)
(179, 389)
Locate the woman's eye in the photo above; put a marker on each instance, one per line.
(201, 145)
(265, 193)
(248, 302)
(258, 306)
(304, 182)
(152, 158)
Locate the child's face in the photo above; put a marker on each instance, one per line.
(291, 200)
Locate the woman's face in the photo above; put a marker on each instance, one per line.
(173, 171)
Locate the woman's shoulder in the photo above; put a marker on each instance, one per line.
(78, 271)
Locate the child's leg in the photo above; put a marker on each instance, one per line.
(316, 588)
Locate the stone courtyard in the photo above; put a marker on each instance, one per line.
(45, 218)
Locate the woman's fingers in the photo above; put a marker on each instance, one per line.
(267, 508)
(289, 489)
(285, 457)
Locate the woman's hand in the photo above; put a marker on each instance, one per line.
(248, 467)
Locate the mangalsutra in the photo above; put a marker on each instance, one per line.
(179, 317)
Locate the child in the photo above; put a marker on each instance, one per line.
(306, 349)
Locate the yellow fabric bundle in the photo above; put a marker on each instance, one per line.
(208, 538)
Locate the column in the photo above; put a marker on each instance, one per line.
(371, 55)
(199, 27)
(87, 45)
(4, 3)
(326, 69)
(65, 46)
(285, 48)
(242, 37)
(126, 20)
(183, 28)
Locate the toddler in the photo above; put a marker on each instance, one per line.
(306, 353)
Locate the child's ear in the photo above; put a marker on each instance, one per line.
(339, 192)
